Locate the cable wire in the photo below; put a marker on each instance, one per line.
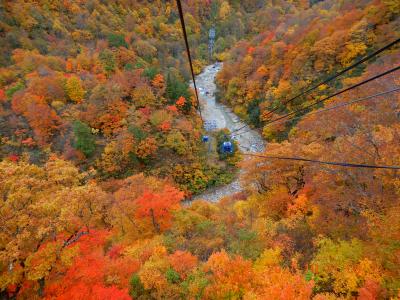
(337, 74)
(333, 107)
(330, 78)
(335, 94)
(332, 163)
(178, 2)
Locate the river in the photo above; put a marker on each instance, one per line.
(222, 117)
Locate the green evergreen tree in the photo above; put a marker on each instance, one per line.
(107, 59)
(175, 89)
(117, 40)
(84, 139)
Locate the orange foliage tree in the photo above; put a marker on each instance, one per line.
(43, 120)
(158, 207)
(92, 274)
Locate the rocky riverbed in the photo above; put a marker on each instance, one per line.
(221, 116)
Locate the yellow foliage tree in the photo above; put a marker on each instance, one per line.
(225, 10)
(74, 89)
(143, 95)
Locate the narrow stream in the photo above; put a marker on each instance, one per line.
(223, 117)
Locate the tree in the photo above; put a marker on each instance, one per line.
(343, 264)
(176, 88)
(230, 278)
(3, 96)
(74, 89)
(225, 10)
(158, 206)
(183, 262)
(177, 142)
(143, 96)
(117, 40)
(352, 51)
(145, 49)
(393, 6)
(158, 83)
(91, 274)
(43, 120)
(36, 236)
(111, 161)
(279, 283)
(84, 139)
(108, 62)
(136, 287)
(146, 148)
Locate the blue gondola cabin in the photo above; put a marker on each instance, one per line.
(227, 147)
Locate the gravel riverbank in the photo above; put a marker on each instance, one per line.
(223, 117)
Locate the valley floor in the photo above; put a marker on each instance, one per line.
(222, 116)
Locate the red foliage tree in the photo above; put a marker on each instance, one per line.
(183, 262)
(158, 206)
(2, 95)
(92, 274)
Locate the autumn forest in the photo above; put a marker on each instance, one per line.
(107, 155)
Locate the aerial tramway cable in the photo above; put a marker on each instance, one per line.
(330, 78)
(343, 164)
(333, 107)
(178, 2)
(335, 94)
(338, 74)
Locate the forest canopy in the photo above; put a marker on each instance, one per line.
(102, 151)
